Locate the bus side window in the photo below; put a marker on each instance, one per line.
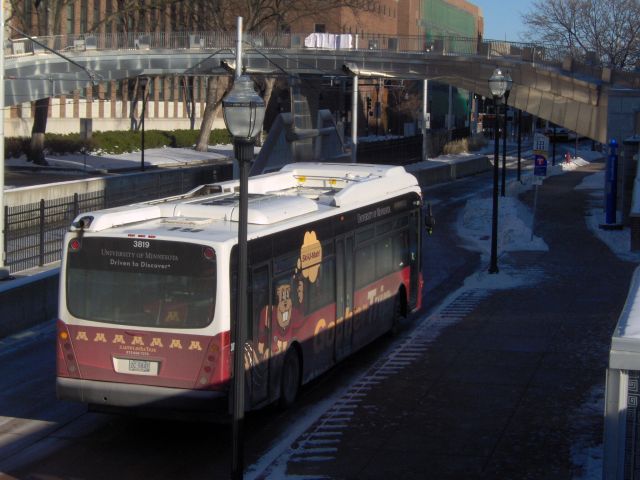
(259, 301)
(322, 292)
(401, 250)
(384, 257)
(365, 265)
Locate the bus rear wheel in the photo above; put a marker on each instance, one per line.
(398, 312)
(290, 379)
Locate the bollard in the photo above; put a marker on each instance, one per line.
(611, 184)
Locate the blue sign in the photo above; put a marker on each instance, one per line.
(540, 166)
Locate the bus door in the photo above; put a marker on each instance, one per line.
(257, 352)
(344, 296)
(414, 257)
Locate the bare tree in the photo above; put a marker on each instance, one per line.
(606, 33)
(259, 16)
(45, 18)
(38, 18)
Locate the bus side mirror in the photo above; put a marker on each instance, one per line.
(429, 220)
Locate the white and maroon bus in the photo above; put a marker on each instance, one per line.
(147, 291)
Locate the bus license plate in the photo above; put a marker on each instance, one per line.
(142, 366)
(135, 366)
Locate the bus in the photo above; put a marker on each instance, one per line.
(148, 291)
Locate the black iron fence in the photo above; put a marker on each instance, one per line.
(406, 150)
(34, 232)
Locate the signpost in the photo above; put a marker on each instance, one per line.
(539, 168)
(540, 149)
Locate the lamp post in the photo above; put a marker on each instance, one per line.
(504, 134)
(519, 144)
(243, 111)
(142, 83)
(498, 85)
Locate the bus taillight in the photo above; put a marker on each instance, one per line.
(74, 245)
(66, 359)
(214, 372)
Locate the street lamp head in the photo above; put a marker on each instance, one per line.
(500, 84)
(243, 110)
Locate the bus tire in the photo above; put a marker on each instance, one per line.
(290, 378)
(399, 312)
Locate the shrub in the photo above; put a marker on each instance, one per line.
(114, 142)
(184, 138)
(462, 145)
(219, 137)
(476, 142)
(456, 146)
(16, 146)
(59, 144)
(117, 142)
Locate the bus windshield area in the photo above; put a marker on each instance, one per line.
(160, 284)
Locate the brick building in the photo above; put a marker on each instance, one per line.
(178, 101)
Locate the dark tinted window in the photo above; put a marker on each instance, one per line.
(322, 292)
(141, 282)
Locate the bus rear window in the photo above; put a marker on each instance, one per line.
(148, 283)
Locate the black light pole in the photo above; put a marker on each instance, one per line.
(504, 135)
(519, 142)
(553, 147)
(142, 82)
(498, 85)
(243, 111)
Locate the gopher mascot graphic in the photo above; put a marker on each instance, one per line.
(283, 309)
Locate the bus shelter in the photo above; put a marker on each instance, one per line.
(622, 397)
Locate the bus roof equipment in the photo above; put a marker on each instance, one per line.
(297, 189)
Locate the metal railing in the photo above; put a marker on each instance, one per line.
(210, 40)
(34, 232)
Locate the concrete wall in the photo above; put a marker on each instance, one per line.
(28, 301)
(433, 172)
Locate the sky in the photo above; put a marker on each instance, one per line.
(502, 19)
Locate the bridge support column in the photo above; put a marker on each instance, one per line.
(354, 120)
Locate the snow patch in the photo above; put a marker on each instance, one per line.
(514, 226)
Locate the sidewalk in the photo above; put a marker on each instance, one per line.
(497, 383)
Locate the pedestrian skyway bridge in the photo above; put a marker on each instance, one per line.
(597, 103)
